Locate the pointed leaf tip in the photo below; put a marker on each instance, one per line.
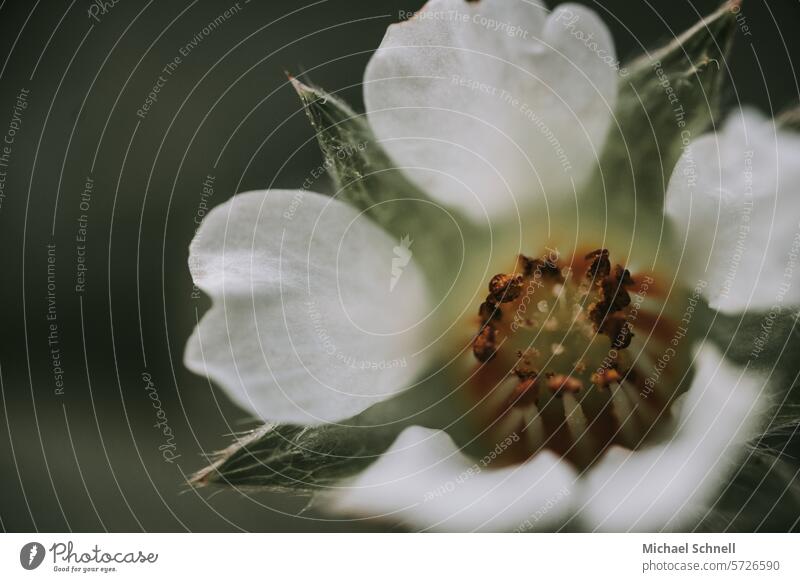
(294, 458)
(667, 96)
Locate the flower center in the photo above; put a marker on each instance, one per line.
(576, 349)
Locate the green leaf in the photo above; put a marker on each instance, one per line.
(665, 99)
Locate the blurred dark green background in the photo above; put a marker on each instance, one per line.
(88, 459)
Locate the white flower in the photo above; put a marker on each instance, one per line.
(595, 400)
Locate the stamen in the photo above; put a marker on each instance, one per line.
(565, 329)
(484, 346)
(504, 288)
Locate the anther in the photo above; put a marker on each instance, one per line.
(601, 266)
(560, 383)
(484, 346)
(505, 288)
(489, 312)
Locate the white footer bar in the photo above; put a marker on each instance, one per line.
(401, 557)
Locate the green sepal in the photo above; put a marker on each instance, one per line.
(305, 459)
(352, 155)
(365, 176)
(666, 99)
(789, 119)
(293, 458)
(765, 341)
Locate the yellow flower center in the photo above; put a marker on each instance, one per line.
(576, 347)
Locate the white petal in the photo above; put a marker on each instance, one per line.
(732, 201)
(304, 327)
(667, 486)
(493, 104)
(424, 482)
